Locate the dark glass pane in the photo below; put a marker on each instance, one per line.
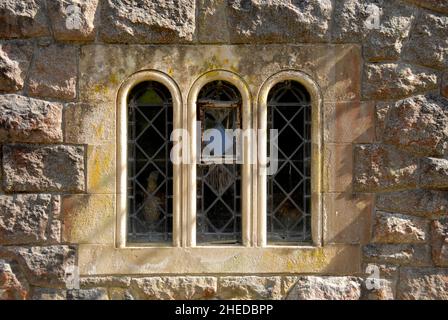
(218, 185)
(150, 181)
(289, 189)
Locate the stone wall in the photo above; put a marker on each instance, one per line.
(47, 155)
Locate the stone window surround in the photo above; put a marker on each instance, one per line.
(253, 180)
(255, 257)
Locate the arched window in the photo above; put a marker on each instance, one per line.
(219, 218)
(150, 171)
(289, 188)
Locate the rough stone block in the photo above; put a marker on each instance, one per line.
(418, 125)
(32, 168)
(45, 266)
(382, 168)
(27, 218)
(88, 294)
(88, 218)
(439, 242)
(54, 73)
(49, 294)
(382, 26)
(402, 254)
(444, 89)
(72, 19)
(13, 285)
(433, 173)
(14, 62)
(386, 81)
(381, 111)
(428, 43)
(326, 288)
(174, 288)
(399, 228)
(436, 5)
(423, 203)
(423, 284)
(248, 288)
(264, 21)
(147, 21)
(25, 18)
(24, 119)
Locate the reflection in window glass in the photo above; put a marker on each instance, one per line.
(218, 184)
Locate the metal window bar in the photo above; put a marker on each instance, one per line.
(218, 184)
(150, 181)
(289, 189)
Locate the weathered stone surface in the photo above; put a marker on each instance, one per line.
(174, 288)
(43, 266)
(337, 167)
(270, 21)
(436, 5)
(245, 288)
(382, 168)
(382, 289)
(326, 288)
(101, 169)
(428, 43)
(439, 242)
(347, 122)
(382, 26)
(72, 19)
(120, 294)
(147, 21)
(444, 89)
(88, 218)
(346, 217)
(25, 218)
(54, 72)
(418, 125)
(107, 281)
(399, 228)
(433, 173)
(34, 168)
(386, 81)
(49, 294)
(14, 62)
(423, 203)
(87, 124)
(381, 111)
(423, 284)
(380, 281)
(88, 294)
(212, 21)
(13, 286)
(403, 254)
(24, 119)
(24, 18)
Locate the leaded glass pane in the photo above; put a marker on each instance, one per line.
(289, 189)
(150, 172)
(218, 184)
